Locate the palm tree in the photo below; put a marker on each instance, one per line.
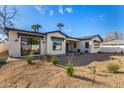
(36, 27)
(60, 25)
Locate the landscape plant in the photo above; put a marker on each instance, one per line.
(29, 59)
(69, 67)
(93, 71)
(53, 60)
(113, 68)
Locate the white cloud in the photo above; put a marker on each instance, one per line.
(61, 11)
(67, 30)
(95, 18)
(40, 9)
(51, 12)
(69, 10)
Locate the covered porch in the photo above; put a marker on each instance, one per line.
(72, 45)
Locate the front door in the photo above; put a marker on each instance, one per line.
(66, 47)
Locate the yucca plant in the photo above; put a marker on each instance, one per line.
(93, 71)
(69, 67)
(29, 59)
(113, 68)
(53, 60)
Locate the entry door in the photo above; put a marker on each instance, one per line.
(66, 47)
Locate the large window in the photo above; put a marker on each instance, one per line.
(30, 45)
(57, 44)
(86, 44)
(74, 45)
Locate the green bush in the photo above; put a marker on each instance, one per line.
(53, 60)
(70, 69)
(29, 59)
(113, 68)
(47, 58)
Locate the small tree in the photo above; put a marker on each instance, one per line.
(93, 71)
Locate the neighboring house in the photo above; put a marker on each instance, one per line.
(22, 42)
(115, 46)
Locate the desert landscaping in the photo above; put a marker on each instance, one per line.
(41, 73)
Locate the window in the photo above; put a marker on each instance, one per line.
(57, 44)
(30, 45)
(86, 44)
(96, 45)
(74, 45)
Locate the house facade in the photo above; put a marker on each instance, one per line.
(22, 43)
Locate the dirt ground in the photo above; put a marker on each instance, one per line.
(44, 74)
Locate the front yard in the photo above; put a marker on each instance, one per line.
(44, 74)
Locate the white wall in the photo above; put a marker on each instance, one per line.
(112, 48)
(14, 46)
(50, 44)
(81, 45)
(93, 49)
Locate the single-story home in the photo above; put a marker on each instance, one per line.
(22, 43)
(114, 46)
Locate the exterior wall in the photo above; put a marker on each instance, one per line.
(112, 48)
(81, 46)
(15, 46)
(50, 44)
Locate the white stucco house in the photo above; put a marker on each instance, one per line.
(22, 43)
(114, 46)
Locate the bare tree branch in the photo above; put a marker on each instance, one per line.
(7, 15)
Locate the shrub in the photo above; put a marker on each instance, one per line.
(53, 60)
(29, 59)
(92, 69)
(113, 68)
(70, 69)
(47, 57)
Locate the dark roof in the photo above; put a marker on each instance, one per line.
(90, 37)
(20, 30)
(114, 42)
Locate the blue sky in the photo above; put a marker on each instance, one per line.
(79, 21)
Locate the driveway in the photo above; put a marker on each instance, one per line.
(85, 59)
